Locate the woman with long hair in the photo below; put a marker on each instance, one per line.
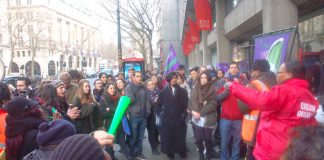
(86, 104)
(121, 85)
(47, 98)
(108, 104)
(22, 123)
(202, 106)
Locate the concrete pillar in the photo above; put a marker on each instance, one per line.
(199, 57)
(223, 43)
(207, 57)
(280, 14)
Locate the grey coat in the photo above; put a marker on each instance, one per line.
(140, 100)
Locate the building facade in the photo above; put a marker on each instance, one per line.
(235, 22)
(59, 35)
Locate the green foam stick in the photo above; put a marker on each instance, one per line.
(122, 106)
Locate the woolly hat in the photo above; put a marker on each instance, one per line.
(57, 83)
(80, 146)
(20, 105)
(51, 133)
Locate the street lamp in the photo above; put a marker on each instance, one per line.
(119, 39)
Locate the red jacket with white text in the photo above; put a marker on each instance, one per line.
(284, 107)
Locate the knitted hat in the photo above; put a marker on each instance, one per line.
(20, 105)
(80, 146)
(54, 132)
(57, 83)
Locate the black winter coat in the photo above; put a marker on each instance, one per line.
(173, 113)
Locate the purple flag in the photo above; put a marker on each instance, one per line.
(172, 63)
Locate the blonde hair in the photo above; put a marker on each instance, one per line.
(85, 98)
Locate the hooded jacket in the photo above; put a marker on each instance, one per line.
(284, 107)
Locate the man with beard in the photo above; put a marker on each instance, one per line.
(173, 103)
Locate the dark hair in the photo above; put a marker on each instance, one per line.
(95, 81)
(122, 79)
(307, 143)
(110, 76)
(75, 74)
(146, 82)
(296, 68)
(220, 71)
(26, 80)
(195, 68)
(107, 86)
(5, 94)
(262, 65)
(234, 63)
(48, 94)
(209, 77)
(170, 76)
(102, 73)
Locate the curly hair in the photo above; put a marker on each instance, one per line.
(307, 143)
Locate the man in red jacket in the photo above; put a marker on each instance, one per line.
(287, 105)
(231, 117)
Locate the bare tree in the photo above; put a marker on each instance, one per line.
(27, 29)
(15, 24)
(137, 21)
(38, 37)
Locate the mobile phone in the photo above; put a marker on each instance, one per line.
(23, 93)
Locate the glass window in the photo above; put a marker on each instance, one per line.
(18, 54)
(0, 38)
(23, 53)
(29, 53)
(1, 54)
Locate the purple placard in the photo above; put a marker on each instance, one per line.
(263, 44)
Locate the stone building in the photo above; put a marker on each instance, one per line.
(61, 35)
(235, 22)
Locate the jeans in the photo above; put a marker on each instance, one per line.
(230, 129)
(138, 125)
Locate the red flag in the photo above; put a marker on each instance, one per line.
(195, 37)
(185, 46)
(203, 14)
(190, 44)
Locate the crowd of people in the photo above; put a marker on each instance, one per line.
(256, 115)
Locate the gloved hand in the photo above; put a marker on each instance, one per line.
(227, 85)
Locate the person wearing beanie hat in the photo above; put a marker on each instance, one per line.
(77, 147)
(22, 121)
(68, 113)
(49, 136)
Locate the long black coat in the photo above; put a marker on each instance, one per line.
(173, 113)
